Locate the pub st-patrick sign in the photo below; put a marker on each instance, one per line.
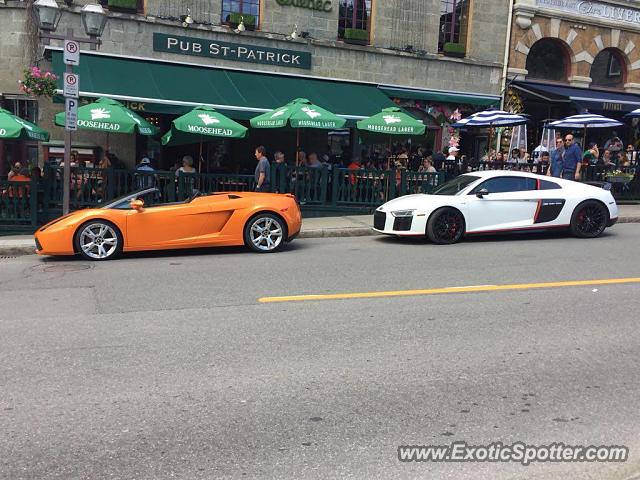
(238, 52)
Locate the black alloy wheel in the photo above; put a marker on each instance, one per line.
(589, 219)
(446, 226)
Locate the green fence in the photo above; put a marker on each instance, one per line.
(19, 205)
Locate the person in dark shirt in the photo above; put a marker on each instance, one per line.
(571, 159)
(263, 170)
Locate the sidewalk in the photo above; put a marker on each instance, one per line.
(351, 226)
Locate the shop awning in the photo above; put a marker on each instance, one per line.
(584, 98)
(440, 96)
(167, 87)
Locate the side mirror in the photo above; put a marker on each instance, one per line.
(482, 192)
(137, 205)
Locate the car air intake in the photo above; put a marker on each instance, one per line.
(379, 220)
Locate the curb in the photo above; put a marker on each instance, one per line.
(338, 232)
(28, 248)
(17, 250)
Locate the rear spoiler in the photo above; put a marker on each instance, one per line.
(603, 185)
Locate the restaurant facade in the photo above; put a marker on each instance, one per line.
(161, 58)
(573, 56)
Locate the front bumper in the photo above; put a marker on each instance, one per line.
(386, 223)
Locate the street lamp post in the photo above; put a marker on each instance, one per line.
(94, 19)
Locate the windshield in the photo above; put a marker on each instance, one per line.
(128, 197)
(455, 186)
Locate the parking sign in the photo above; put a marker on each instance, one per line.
(71, 52)
(71, 113)
(71, 85)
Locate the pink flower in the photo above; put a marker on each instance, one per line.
(47, 75)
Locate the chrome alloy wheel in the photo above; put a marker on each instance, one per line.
(266, 234)
(98, 241)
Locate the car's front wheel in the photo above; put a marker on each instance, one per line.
(98, 240)
(445, 226)
(589, 219)
(265, 233)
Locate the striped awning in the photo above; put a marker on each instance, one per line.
(586, 120)
(491, 118)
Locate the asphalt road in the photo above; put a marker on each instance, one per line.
(165, 365)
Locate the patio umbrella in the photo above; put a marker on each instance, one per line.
(391, 122)
(491, 118)
(584, 121)
(202, 121)
(110, 116)
(13, 127)
(299, 113)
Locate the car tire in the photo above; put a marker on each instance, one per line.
(265, 233)
(589, 219)
(98, 240)
(446, 226)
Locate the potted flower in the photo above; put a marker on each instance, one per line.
(38, 83)
(452, 49)
(356, 36)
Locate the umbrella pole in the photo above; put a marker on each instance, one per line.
(297, 146)
(200, 158)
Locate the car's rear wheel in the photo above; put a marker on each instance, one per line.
(98, 240)
(445, 226)
(589, 219)
(265, 233)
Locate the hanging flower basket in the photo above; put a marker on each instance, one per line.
(38, 83)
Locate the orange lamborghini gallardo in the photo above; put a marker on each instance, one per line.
(263, 222)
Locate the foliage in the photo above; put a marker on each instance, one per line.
(38, 83)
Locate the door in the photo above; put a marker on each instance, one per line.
(510, 204)
(165, 225)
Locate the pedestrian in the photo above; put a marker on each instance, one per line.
(555, 169)
(571, 159)
(427, 166)
(301, 161)
(631, 154)
(15, 170)
(453, 154)
(591, 155)
(279, 158)
(614, 144)
(541, 164)
(313, 161)
(144, 174)
(263, 170)
(438, 160)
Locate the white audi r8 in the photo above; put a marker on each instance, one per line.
(497, 201)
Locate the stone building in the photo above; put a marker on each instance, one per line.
(570, 56)
(244, 57)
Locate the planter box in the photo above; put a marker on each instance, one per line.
(356, 36)
(454, 50)
(126, 5)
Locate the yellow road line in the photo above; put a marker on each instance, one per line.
(439, 291)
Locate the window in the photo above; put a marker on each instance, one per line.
(247, 11)
(547, 185)
(454, 16)
(507, 184)
(354, 20)
(455, 186)
(607, 69)
(23, 108)
(547, 60)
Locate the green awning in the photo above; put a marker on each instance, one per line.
(439, 96)
(237, 94)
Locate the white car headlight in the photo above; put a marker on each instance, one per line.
(403, 213)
